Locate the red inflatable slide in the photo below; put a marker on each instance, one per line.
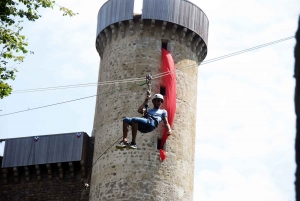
(170, 98)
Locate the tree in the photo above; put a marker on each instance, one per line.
(13, 45)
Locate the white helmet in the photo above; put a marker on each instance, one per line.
(159, 96)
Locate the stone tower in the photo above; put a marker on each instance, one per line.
(130, 47)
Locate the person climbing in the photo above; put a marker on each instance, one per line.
(152, 118)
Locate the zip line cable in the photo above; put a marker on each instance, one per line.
(164, 74)
(81, 85)
(246, 50)
(154, 76)
(35, 108)
(89, 84)
(239, 52)
(68, 101)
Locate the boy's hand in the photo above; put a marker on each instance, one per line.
(148, 97)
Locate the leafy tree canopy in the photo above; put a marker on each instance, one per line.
(13, 45)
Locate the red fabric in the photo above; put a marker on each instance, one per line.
(170, 99)
(163, 155)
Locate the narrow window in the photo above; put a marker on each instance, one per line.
(164, 44)
(163, 90)
(158, 143)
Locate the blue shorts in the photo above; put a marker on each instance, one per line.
(144, 125)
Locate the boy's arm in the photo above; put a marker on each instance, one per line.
(165, 119)
(140, 110)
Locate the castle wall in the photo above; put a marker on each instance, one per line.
(35, 183)
(44, 190)
(130, 52)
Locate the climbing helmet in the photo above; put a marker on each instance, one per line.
(159, 96)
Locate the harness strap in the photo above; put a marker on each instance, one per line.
(155, 121)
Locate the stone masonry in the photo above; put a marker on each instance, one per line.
(132, 49)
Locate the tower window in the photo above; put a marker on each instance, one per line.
(164, 44)
(158, 143)
(163, 91)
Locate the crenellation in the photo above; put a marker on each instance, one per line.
(190, 39)
(27, 173)
(131, 27)
(122, 29)
(60, 170)
(204, 55)
(163, 28)
(107, 35)
(99, 46)
(182, 34)
(141, 26)
(71, 167)
(200, 48)
(103, 39)
(196, 43)
(113, 31)
(98, 42)
(82, 168)
(49, 171)
(38, 173)
(4, 175)
(44, 172)
(152, 27)
(174, 28)
(99, 50)
(16, 174)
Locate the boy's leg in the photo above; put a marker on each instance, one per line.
(134, 128)
(125, 131)
(140, 124)
(123, 143)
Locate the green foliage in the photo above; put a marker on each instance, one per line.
(13, 45)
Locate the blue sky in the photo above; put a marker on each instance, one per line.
(245, 112)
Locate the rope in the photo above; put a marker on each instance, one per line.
(89, 174)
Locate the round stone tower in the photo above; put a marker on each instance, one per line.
(130, 47)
